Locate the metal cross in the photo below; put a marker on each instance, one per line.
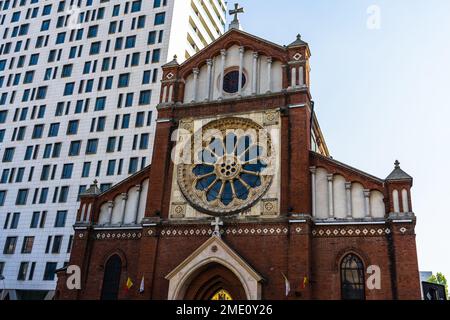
(236, 11)
(217, 223)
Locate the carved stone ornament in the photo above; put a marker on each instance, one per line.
(233, 167)
(271, 117)
(188, 125)
(269, 207)
(178, 210)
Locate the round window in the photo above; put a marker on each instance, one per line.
(231, 81)
(234, 168)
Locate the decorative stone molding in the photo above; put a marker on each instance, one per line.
(271, 118)
(269, 207)
(297, 56)
(350, 232)
(187, 124)
(178, 210)
(110, 235)
(270, 230)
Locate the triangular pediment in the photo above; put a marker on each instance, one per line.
(229, 39)
(214, 251)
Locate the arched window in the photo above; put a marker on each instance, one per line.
(352, 278)
(111, 278)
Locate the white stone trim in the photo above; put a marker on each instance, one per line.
(297, 221)
(302, 105)
(349, 223)
(117, 228)
(403, 221)
(222, 254)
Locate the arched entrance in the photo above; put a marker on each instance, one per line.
(214, 281)
(111, 278)
(214, 270)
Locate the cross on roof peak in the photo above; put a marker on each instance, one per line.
(236, 11)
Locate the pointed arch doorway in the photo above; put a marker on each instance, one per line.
(214, 282)
(111, 278)
(214, 271)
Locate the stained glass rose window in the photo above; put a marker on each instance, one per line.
(233, 168)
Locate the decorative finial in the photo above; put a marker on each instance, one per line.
(397, 164)
(95, 182)
(235, 24)
(175, 57)
(299, 36)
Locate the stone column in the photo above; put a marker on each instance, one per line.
(241, 68)
(313, 171)
(301, 78)
(136, 212)
(255, 72)
(88, 213)
(269, 75)
(124, 206)
(330, 197)
(348, 196)
(196, 72)
(367, 204)
(110, 211)
(83, 213)
(170, 97)
(405, 201)
(294, 77)
(164, 97)
(209, 63)
(223, 56)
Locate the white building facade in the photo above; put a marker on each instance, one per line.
(79, 83)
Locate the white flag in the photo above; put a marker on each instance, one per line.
(142, 287)
(287, 284)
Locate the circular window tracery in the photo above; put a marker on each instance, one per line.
(233, 170)
(231, 81)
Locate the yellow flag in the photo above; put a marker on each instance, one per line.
(129, 284)
(305, 282)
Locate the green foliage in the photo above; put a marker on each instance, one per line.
(439, 278)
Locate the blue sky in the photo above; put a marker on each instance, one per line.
(381, 94)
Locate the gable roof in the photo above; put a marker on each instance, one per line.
(227, 40)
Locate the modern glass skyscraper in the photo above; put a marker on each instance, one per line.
(79, 83)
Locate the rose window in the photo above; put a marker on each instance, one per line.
(233, 167)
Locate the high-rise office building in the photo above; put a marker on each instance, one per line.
(79, 82)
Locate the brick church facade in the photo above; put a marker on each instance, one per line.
(242, 200)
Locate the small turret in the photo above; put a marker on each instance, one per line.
(299, 68)
(399, 185)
